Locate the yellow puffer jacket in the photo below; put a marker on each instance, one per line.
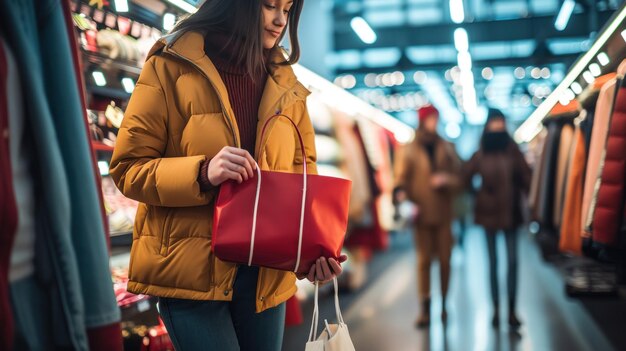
(178, 116)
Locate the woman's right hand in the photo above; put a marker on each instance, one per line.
(231, 163)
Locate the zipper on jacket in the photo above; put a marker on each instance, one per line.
(228, 118)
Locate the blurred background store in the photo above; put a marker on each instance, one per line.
(553, 67)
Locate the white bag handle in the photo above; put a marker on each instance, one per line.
(315, 322)
(258, 192)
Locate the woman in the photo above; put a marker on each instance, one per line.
(505, 176)
(193, 122)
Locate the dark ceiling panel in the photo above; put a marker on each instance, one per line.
(536, 28)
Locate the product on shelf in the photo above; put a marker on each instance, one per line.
(120, 209)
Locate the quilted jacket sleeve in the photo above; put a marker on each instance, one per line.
(138, 166)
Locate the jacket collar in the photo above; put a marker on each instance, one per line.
(190, 46)
(281, 89)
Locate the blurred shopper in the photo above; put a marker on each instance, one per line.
(505, 176)
(428, 175)
(462, 208)
(191, 124)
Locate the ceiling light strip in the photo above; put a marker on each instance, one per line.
(346, 102)
(531, 127)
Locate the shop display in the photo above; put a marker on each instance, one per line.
(610, 194)
(120, 209)
(577, 194)
(597, 148)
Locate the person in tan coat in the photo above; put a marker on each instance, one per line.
(193, 122)
(427, 174)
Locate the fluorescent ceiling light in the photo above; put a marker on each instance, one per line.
(103, 166)
(128, 84)
(453, 130)
(121, 5)
(363, 30)
(569, 94)
(576, 88)
(457, 12)
(461, 40)
(465, 61)
(603, 58)
(351, 105)
(169, 20)
(420, 77)
(183, 5)
(564, 14)
(624, 34)
(564, 101)
(532, 126)
(98, 77)
(588, 77)
(487, 73)
(477, 117)
(594, 68)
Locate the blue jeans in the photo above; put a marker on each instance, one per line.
(225, 326)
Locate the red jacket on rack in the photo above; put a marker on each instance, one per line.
(8, 211)
(608, 214)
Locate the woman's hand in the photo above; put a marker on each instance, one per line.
(439, 180)
(324, 270)
(231, 163)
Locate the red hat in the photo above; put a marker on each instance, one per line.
(426, 111)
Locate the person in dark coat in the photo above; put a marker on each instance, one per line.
(505, 178)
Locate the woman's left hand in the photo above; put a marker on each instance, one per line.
(324, 270)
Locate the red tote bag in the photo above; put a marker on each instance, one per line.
(281, 220)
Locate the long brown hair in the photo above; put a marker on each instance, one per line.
(242, 19)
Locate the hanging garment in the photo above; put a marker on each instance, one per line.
(8, 208)
(372, 236)
(23, 251)
(354, 165)
(565, 145)
(610, 195)
(74, 259)
(545, 199)
(538, 147)
(597, 146)
(570, 239)
(589, 101)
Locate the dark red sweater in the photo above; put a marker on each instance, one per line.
(244, 93)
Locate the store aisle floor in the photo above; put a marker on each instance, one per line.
(381, 315)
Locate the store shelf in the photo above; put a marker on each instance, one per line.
(106, 62)
(98, 146)
(121, 238)
(109, 92)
